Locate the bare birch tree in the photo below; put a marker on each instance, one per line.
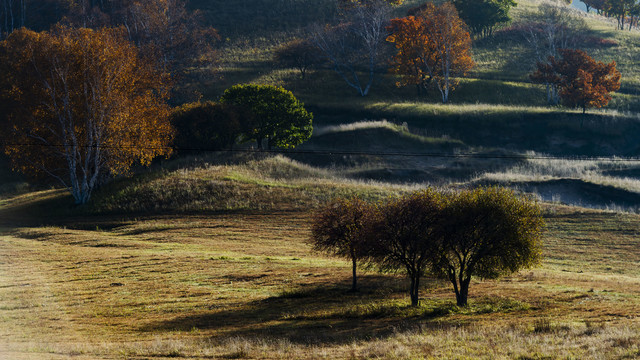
(552, 28)
(354, 47)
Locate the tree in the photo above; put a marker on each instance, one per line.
(620, 9)
(83, 105)
(488, 232)
(583, 82)
(339, 229)
(208, 125)
(552, 28)
(483, 16)
(299, 54)
(432, 45)
(406, 234)
(277, 116)
(355, 45)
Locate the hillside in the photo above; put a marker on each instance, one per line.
(237, 279)
(206, 255)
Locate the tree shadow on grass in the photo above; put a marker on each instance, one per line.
(325, 313)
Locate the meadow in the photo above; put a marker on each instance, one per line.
(243, 283)
(206, 255)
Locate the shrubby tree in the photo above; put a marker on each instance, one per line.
(82, 105)
(431, 46)
(340, 229)
(299, 54)
(208, 125)
(275, 115)
(487, 233)
(483, 16)
(582, 81)
(354, 47)
(405, 235)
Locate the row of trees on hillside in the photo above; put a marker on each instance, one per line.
(485, 233)
(81, 105)
(431, 43)
(626, 12)
(164, 30)
(268, 115)
(432, 48)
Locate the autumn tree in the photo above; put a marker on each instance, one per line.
(208, 125)
(83, 105)
(299, 54)
(276, 116)
(354, 47)
(582, 81)
(488, 232)
(340, 229)
(431, 46)
(406, 235)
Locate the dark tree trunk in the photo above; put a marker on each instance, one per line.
(354, 283)
(463, 294)
(414, 289)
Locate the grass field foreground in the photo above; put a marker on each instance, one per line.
(244, 284)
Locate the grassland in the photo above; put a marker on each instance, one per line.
(205, 255)
(245, 284)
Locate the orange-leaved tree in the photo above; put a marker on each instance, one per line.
(82, 105)
(582, 81)
(431, 46)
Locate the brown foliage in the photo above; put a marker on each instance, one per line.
(583, 82)
(81, 105)
(339, 229)
(433, 44)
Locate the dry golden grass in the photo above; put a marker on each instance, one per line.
(246, 285)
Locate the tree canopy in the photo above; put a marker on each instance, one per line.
(487, 232)
(208, 125)
(483, 16)
(340, 229)
(82, 105)
(406, 233)
(583, 81)
(275, 114)
(431, 46)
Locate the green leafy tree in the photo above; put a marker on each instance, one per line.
(406, 235)
(488, 232)
(207, 125)
(340, 228)
(276, 116)
(483, 16)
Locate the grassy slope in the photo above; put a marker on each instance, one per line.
(496, 107)
(226, 272)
